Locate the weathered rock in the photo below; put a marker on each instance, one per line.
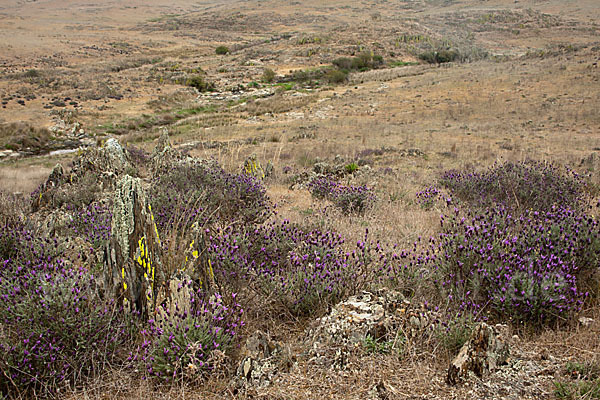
(114, 155)
(132, 259)
(350, 322)
(483, 353)
(164, 154)
(56, 223)
(263, 359)
(269, 168)
(55, 179)
(252, 167)
(107, 163)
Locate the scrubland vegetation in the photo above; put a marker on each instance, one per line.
(443, 155)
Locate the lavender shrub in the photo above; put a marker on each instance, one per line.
(92, 223)
(533, 267)
(180, 342)
(349, 199)
(205, 189)
(56, 329)
(303, 271)
(518, 186)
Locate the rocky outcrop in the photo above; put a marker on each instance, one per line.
(253, 168)
(106, 163)
(132, 262)
(263, 358)
(44, 193)
(483, 353)
(164, 154)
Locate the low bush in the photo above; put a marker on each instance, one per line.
(222, 50)
(268, 75)
(24, 137)
(439, 56)
(56, 330)
(92, 223)
(302, 271)
(336, 76)
(536, 267)
(349, 199)
(200, 83)
(181, 342)
(363, 62)
(204, 192)
(518, 186)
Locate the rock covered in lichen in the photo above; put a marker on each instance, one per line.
(127, 195)
(381, 315)
(106, 163)
(349, 323)
(262, 360)
(482, 354)
(132, 257)
(253, 168)
(164, 154)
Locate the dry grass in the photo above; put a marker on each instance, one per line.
(23, 179)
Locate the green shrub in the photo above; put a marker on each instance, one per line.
(32, 73)
(577, 390)
(56, 330)
(336, 76)
(363, 62)
(268, 75)
(439, 57)
(455, 334)
(372, 345)
(222, 50)
(199, 83)
(351, 168)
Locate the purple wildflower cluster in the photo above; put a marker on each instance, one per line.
(525, 249)
(181, 340)
(523, 185)
(300, 270)
(187, 192)
(531, 266)
(92, 223)
(138, 156)
(430, 196)
(55, 328)
(348, 198)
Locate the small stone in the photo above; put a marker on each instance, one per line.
(481, 355)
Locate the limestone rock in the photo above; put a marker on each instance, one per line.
(132, 259)
(263, 359)
(253, 168)
(164, 154)
(483, 353)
